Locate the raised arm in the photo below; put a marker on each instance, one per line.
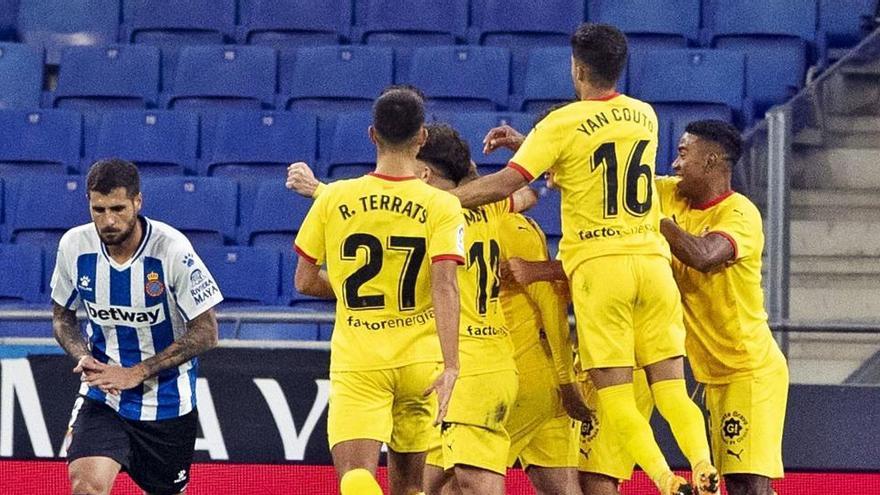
(703, 253)
(490, 188)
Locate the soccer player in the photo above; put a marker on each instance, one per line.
(717, 239)
(602, 149)
(392, 246)
(149, 300)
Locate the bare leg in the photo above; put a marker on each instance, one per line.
(405, 472)
(748, 484)
(92, 475)
(477, 481)
(553, 481)
(353, 455)
(598, 484)
(435, 479)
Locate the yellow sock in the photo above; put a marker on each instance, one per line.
(684, 417)
(359, 482)
(633, 429)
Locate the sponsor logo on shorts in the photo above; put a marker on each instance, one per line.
(589, 428)
(181, 476)
(738, 455)
(734, 427)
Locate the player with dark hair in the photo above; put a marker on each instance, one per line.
(717, 239)
(149, 300)
(391, 245)
(602, 149)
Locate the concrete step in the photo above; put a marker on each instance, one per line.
(828, 358)
(834, 298)
(841, 265)
(835, 238)
(837, 168)
(849, 124)
(835, 204)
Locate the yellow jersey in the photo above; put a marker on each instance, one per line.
(602, 153)
(484, 342)
(537, 308)
(727, 333)
(377, 236)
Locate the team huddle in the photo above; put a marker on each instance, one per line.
(506, 388)
(452, 342)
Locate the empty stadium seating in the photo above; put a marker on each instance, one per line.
(21, 76)
(840, 24)
(39, 209)
(473, 128)
(546, 211)
(346, 150)
(293, 23)
(203, 208)
(8, 19)
(160, 142)
(54, 24)
(39, 141)
(174, 23)
(462, 78)
(410, 22)
(650, 24)
(275, 217)
(21, 267)
(245, 275)
(112, 76)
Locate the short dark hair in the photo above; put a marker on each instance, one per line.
(398, 114)
(446, 152)
(721, 133)
(602, 48)
(108, 174)
(405, 87)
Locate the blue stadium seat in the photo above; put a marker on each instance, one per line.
(203, 208)
(169, 23)
(39, 141)
(546, 211)
(840, 24)
(345, 148)
(244, 274)
(259, 144)
(2, 210)
(54, 24)
(160, 142)
(225, 77)
(410, 22)
(291, 23)
(22, 268)
(472, 127)
(50, 256)
(341, 78)
(41, 208)
(102, 77)
(290, 296)
(650, 23)
(21, 76)
(547, 80)
(705, 77)
(8, 19)
(275, 218)
(775, 37)
(463, 78)
(278, 331)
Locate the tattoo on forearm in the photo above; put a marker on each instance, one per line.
(200, 336)
(66, 332)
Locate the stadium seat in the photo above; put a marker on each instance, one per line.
(293, 23)
(410, 22)
(462, 78)
(169, 23)
(650, 24)
(22, 270)
(774, 35)
(547, 80)
(244, 274)
(39, 141)
(259, 144)
(472, 127)
(290, 296)
(160, 142)
(546, 211)
(704, 77)
(41, 208)
(278, 331)
(340, 78)
(224, 77)
(2, 209)
(203, 208)
(54, 24)
(840, 24)
(502, 23)
(345, 146)
(276, 216)
(106, 77)
(21, 76)
(8, 19)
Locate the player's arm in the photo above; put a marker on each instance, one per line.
(311, 280)
(490, 188)
(526, 272)
(703, 253)
(301, 179)
(65, 329)
(523, 199)
(445, 298)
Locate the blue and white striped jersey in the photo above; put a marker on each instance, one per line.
(136, 310)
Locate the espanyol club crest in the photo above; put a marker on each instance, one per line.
(154, 286)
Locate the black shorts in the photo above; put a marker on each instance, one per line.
(156, 454)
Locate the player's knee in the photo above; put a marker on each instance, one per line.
(747, 484)
(85, 484)
(597, 484)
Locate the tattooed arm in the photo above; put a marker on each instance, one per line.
(66, 332)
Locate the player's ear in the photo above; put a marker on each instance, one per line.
(423, 136)
(372, 132)
(138, 203)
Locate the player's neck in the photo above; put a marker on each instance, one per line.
(712, 192)
(396, 164)
(587, 92)
(124, 251)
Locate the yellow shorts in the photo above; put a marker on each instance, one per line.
(746, 419)
(473, 432)
(601, 451)
(628, 311)
(384, 405)
(541, 433)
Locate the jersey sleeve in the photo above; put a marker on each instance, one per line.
(666, 190)
(195, 289)
(741, 225)
(446, 231)
(63, 283)
(309, 243)
(540, 151)
(554, 319)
